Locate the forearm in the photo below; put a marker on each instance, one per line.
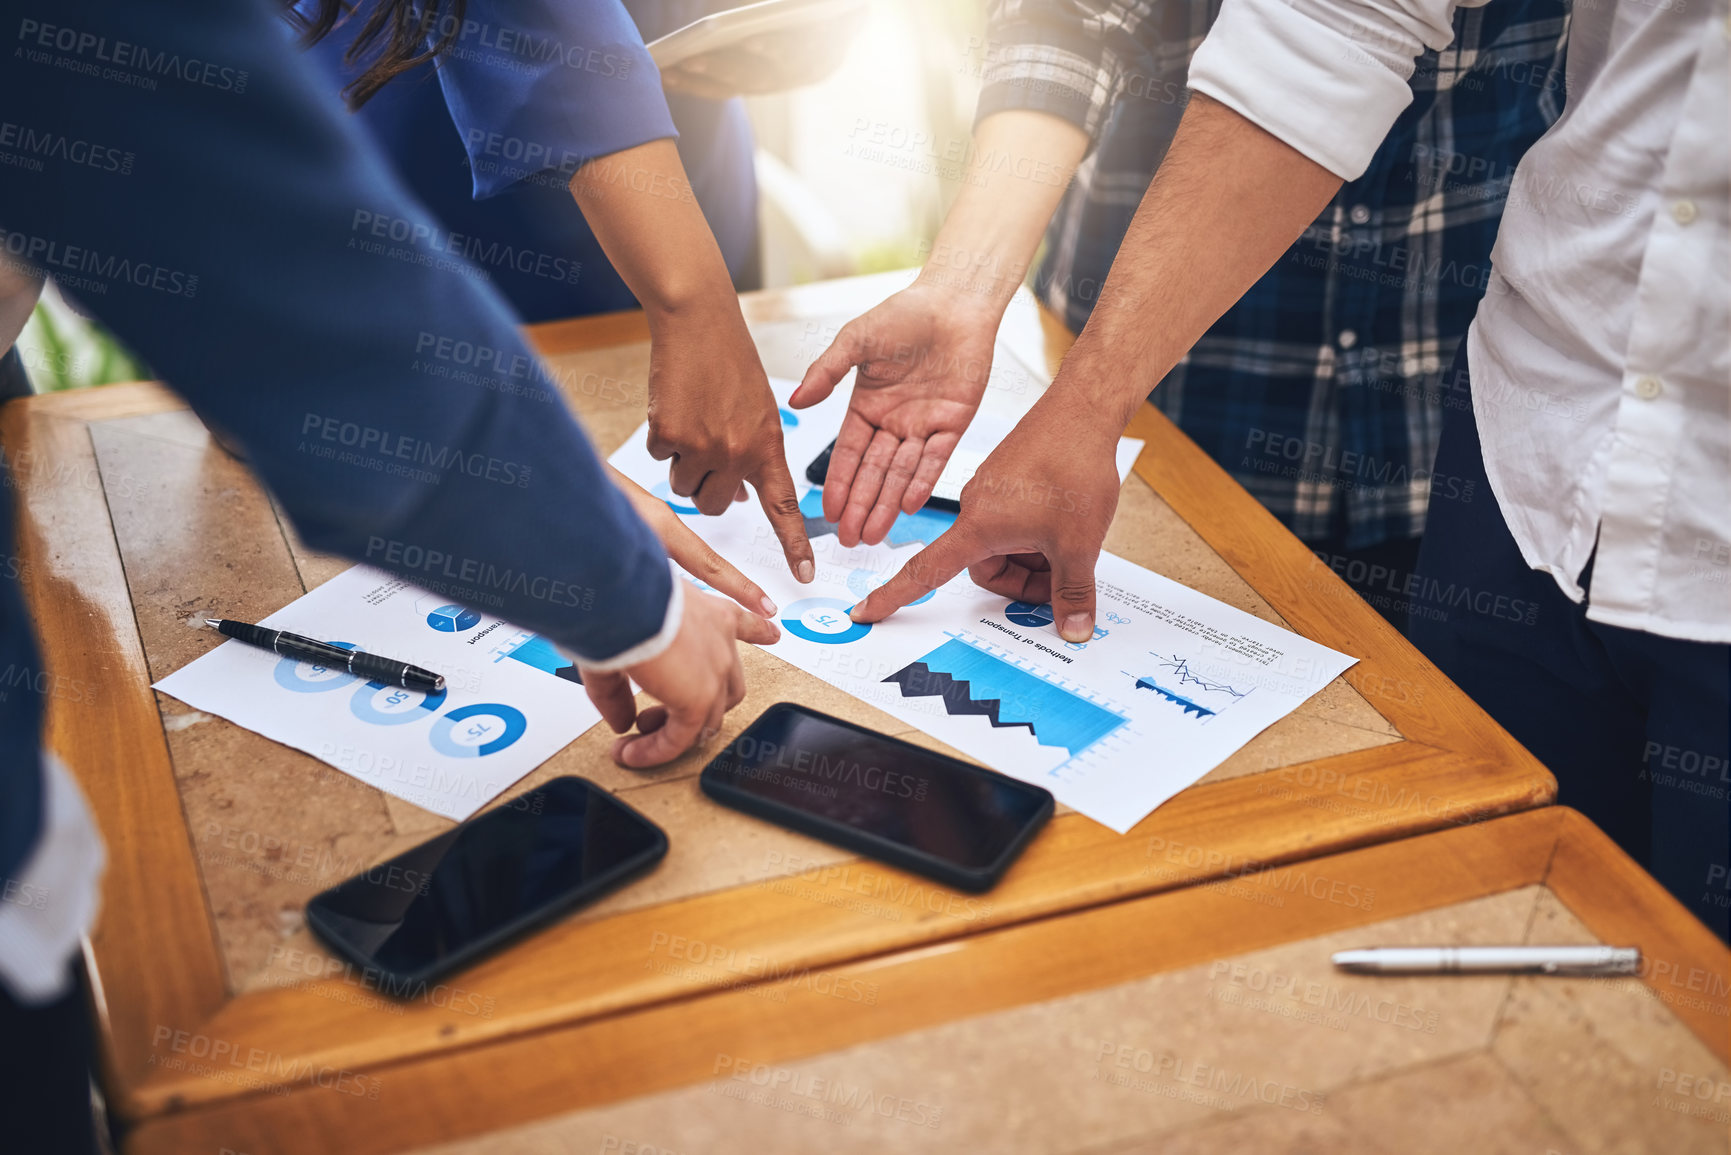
(394, 409)
(1020, 166)
(1227, 202)
(640, 206)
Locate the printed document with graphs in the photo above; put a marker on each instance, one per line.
(511, 699)
(1171, 685)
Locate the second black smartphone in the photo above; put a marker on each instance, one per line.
(447, 902)
(922, 811)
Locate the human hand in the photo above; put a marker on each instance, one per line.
(1032, 522)
(694, 555)
(696, 680)
(923, 357)
(712, 413)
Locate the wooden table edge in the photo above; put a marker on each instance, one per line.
(625, 1056)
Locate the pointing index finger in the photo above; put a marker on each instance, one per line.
(924, 572)
(781, 504)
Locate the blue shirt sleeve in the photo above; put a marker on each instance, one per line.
(248, 245)
(538, 87)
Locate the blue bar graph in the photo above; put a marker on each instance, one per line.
(971, 680)
(535, 650)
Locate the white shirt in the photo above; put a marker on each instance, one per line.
(1601, 355)
(48, 906)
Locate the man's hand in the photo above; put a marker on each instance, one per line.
(923, 356)
(697, 680)
(693, 554)
(712, 414)
(1032, 522)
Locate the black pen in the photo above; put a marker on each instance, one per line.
(357, 662)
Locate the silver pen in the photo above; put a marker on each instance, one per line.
(1544, 960)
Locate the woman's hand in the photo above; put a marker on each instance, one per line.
(710, 408)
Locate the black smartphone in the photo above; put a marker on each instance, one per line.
(922, 811)
(818, 470)
(447, 902)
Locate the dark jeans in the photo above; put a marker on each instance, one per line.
(45, 1057)
(1636, 727)
(1378, 573)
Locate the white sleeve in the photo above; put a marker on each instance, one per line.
(651, 647)
(51, 904)
(1328, 77)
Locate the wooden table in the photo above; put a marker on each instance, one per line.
(1207, 1021)
(217, 836)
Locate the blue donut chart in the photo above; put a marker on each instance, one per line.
(444, 732)
(823, 620)
(674, 502)
(361, 705)
(288, 676)
(863, 581)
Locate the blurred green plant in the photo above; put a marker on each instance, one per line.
(902, 253)
(62, 350)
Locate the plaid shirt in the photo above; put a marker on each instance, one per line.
(1322, 390)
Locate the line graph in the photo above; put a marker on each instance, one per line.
(1194, 693)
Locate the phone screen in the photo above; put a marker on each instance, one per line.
(844, 777)
(436, 905)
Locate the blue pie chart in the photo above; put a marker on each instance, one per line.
(823, 620)
(452, 619)
(1029, 614)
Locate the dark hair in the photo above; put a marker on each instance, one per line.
(394, 36)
